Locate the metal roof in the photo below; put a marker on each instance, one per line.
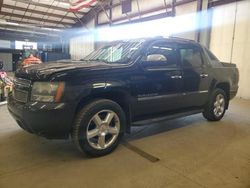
(20, 14)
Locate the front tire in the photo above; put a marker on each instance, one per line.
(216, 107)
(99, 127)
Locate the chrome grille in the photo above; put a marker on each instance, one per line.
(22, 82)
(21, 89)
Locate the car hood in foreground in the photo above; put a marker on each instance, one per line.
(46, 70)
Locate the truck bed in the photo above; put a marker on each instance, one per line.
(228, 64)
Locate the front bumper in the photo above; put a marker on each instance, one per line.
(50, 120)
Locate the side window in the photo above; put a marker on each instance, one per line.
(162, 53)
(190, 57)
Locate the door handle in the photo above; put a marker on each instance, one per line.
(203, 75)
(176, 77)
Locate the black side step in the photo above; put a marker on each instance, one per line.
(168, 117)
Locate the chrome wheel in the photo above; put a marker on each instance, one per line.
(219, 105)
(103, 129)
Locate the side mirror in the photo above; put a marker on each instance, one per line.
(1, 64)
(154, 62)
(156, 58)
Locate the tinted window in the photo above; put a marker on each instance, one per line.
(190, 57)
(162, 52)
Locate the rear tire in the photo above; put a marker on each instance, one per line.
(99, 127)
(216, 107)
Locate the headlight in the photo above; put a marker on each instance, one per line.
(47, 91)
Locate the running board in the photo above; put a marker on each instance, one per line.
(168, 117)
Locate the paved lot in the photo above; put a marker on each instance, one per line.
(191, 151)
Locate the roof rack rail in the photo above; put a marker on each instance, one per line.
(159, 36)
(179, 38)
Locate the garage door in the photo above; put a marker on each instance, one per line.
(230, 39)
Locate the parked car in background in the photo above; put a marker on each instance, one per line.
(96, 100)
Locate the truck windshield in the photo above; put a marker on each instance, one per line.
(118, 53)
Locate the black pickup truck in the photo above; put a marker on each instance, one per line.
(97, 99)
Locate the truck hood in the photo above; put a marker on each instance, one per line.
(46, 70)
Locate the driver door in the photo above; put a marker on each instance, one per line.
(159, 88)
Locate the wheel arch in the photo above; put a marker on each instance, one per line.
(118, 96)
